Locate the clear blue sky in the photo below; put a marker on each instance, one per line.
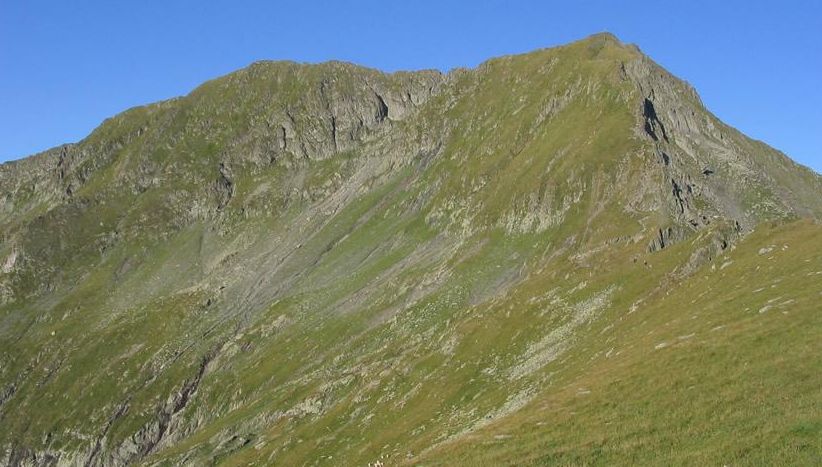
(67, 65)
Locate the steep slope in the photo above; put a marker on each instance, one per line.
(328, 264)
(723, 367)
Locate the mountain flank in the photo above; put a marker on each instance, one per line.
(555, 257)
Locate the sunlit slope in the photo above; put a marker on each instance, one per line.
(720, 369)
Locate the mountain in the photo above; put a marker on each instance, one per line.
(556, 257)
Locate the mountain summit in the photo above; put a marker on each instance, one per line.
(560, 256)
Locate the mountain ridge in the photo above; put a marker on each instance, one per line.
(601, 36)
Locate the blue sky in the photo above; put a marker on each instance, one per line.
(66, 66)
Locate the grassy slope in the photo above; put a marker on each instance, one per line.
(721, 369)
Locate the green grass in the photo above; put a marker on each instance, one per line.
(731, 385)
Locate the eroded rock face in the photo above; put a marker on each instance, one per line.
(276, 252)
(703, 157)
(11, 260)
(341, 108)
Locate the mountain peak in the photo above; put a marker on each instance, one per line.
(603, 37)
